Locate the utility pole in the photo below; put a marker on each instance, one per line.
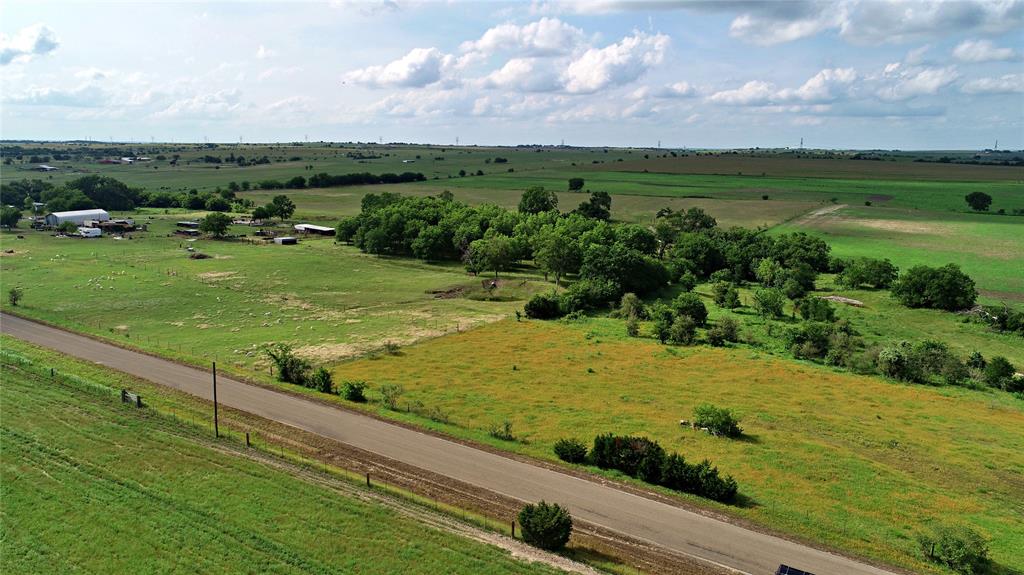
(216, 425)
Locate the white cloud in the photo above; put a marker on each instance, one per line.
(678, 90)
(262, 53)
(524, 74)
(217, 105)
(981, 51)
(822, 87)
(615, 65)
(753, 93)
(918, 82)
(278, 71)
(545, 37)
(777, 22)
(27, 43)
(1007, 84)
(84, 96)
(893, 21)
(93, 74)
(420, 67)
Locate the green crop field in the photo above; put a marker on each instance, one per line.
(89, 486)
(854, 461)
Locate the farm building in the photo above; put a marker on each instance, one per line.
(286, 241)
(314, 229)
(77, 217)
(188, 225)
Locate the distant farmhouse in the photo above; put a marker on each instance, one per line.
(77, 217)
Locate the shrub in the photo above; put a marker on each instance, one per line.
(724, 330)
(543, 306)
(290, 368)
(978, 201)
(391, 348)
(389, 395)
(589, 294)
(769, 302)
(954, 372)
(868, 271)
(631, 307)
(687, 281)
(14, 296)
(719, 421)
(726, 295)
(897, 361)
(632, 327)
(353, 391)
(689, 304)
(945, 288)
(544, 525)
(958, 547)
(683, 330)
(502, 431)
(663, 317)
(321, 381)
(816, 309)
(571, 450)
(999, 373)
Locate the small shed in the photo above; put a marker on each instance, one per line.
(286, 241)
(314, 229)
(77, 217)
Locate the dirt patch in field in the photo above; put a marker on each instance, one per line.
(330, 352)
(216, 276)
(450, 293)
(901, 226)
(819, 213)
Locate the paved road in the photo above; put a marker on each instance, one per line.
(671, 527)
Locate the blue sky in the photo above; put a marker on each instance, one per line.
(728, 73)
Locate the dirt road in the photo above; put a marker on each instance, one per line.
(684, 531)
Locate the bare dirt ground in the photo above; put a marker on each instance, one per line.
(819, 213)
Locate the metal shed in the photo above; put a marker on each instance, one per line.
(77, 217)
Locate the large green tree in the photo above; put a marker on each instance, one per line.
(536, 200)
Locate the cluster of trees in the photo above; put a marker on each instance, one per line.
(646, 460)
(932, 362)
(293, 369)
(324, 180)
(958, 547)
(90, 192)
(945, 287)
(280, 206)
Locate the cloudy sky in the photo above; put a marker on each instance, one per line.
(727, 73)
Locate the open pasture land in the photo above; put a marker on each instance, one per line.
(989, 248)
(788, 166)
(330, 301)
(92, 487)
(917, 194)
(857, 462)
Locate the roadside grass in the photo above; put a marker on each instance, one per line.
(855, 462)
(330, 301)
(989, 247)
(152, 497)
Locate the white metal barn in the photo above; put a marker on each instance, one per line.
(77, 217)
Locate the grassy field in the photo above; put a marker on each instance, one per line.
(989, 248)
(92, 487)
(854, 461)
(331, 301)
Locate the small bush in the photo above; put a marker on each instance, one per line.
(724, 330)
(290, 368)
(391, 348)
(631, 307)
(689, 304)
(816, 309)
(543, 306)
(959, 548)
(683, 330)
(14, 296)
(321, 381)
(726, 295)
(769, 302)
(632, 327)
(544, 525)
(502, 431)
(353, 391)
(571, 450)
(719, 421)
(999, 373)
(389, 395)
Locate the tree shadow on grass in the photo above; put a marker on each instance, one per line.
(997, 569)
(748, 438)
(745, 502)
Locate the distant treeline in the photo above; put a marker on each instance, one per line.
(324, 180)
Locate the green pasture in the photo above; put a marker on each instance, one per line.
(90, 486)
(330, 301)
